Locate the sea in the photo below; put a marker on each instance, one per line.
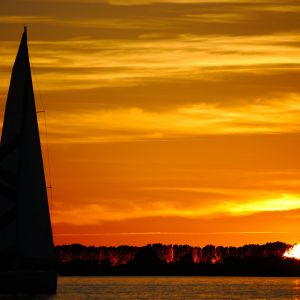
(119, 288)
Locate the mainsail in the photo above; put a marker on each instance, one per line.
(25, 227)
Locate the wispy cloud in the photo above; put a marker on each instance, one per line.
(133, 124)
(147, 2)
(97, 213)
(25, 19)
(216, 17)
(86, 64)
(104, 23)
(280, 8)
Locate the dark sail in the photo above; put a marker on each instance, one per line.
(25, 227)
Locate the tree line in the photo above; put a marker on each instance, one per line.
(168, 260)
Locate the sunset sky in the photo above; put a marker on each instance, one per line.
(173, 121)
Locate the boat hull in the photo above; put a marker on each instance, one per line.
(28, 281)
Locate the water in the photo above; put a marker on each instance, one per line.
(158, 288)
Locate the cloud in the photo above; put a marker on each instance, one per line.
(26, 19)
(216, 17)
(222, 230)
(284, 202)
(104, 23)
(285, 8)
(87, 64)
(148, 2)
(133, 124)
(97, 213)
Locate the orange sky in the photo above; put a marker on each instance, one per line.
(168, 120)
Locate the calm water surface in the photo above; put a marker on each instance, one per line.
(74, 288)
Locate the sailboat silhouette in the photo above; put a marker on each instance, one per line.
(27, 256)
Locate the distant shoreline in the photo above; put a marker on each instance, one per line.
(177, 260)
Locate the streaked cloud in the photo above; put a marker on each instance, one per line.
(133, 124)
(282, 203)
(226, 231)
(26, 19)
(216, 17)
(96, 213)
(145, 2)
(283, 8)
(99, 63)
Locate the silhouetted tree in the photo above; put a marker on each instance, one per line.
(159, 259)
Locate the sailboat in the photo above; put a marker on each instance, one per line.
(27, 254)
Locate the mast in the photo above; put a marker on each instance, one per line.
(28, 229)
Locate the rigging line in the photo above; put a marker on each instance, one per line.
(46, 138)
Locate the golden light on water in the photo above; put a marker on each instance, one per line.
(293, 252)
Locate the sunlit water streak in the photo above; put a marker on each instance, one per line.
(172, 288)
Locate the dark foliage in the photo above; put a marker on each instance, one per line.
(168, 260)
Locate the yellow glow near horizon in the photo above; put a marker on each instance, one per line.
(293, 252)
(93, 213)
(283, 203)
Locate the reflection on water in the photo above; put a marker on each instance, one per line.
(74, 288)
